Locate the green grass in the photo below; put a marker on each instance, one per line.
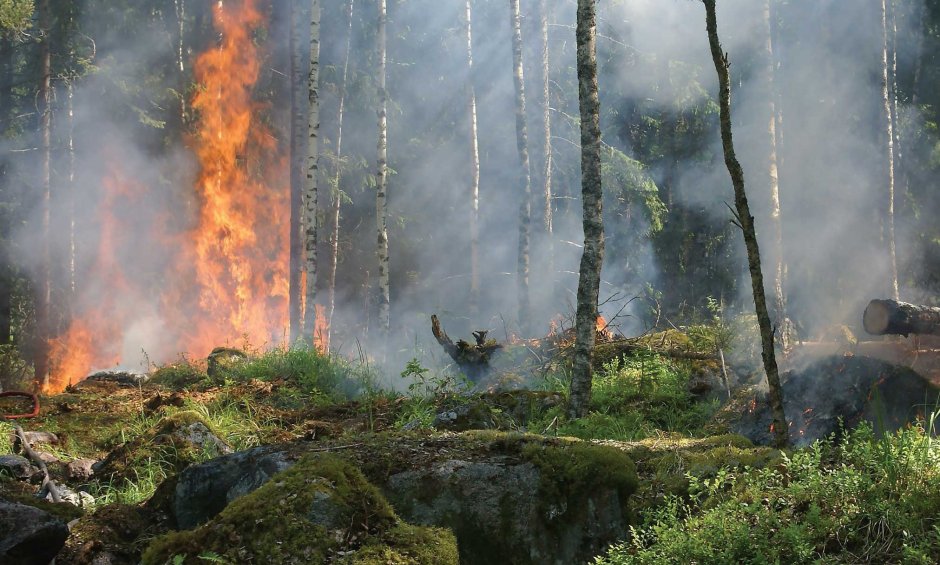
(634, 398)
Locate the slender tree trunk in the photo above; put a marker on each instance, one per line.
(780, 298)
(889, 165)
(310, 187)
(381, 178)
(746, 223)
(337, 189)
(70, 115)
(6, 275)
(298, 135)
(44, 282)
(546, 147)
(180, 6)
(522, 144)
(592, 257)
(474, 170)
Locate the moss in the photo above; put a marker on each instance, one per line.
(178, 376)
(573, 468)
(405, 544)
(319, 508)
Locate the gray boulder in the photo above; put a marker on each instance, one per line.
(508, 498)
(29, 535)
(204, 490)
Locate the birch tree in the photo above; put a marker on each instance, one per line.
(546, 144)
(592, 256)
(746, 222)
(381, 178)
(298, 134)
(474, 169)
(310, 187)
(525, 177)
(889, 163)
(337, 190)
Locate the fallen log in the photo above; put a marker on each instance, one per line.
(884, 317)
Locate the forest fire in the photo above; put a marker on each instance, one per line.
(228, 270)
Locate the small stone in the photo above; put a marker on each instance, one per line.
(79, 498)
(80, 469)
(47, 457)
(34, 438)
(18, 467)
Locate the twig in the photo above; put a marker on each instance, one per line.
(337, 447)
(724, 372)
(47, 482)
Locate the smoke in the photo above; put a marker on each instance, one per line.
(653, 55)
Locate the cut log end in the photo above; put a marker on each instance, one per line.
(877, 317)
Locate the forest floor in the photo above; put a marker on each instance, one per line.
(692, 491)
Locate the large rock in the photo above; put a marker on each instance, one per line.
(846, 389)
(204, 490)
(321, 510)
(29, 535)
(508, 498)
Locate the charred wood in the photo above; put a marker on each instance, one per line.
(473, 359)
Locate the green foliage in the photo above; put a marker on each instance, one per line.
(15, 15)
(856, 500)
(6, 437)
(316, 376)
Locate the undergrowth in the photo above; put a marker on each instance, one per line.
(856, 500)
(634, 397)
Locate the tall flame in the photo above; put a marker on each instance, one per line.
(227, 277)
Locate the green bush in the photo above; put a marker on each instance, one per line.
(859, 500)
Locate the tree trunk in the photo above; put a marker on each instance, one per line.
(44, 282)
(180, 6)
(592, 256)
(780, 298)
(381, 178)
(522, 144)
(547, 213)
(746, 223)
(884, 317)
(310, 187)
(337, 190)
(889, 165)
(474, 171)
(298, 134)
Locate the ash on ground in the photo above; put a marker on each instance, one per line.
(833, 394)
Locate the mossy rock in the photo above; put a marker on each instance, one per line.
(178, 376)
(320, 510)
(177, 440)
(222, 358)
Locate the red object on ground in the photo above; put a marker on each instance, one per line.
(32, 414)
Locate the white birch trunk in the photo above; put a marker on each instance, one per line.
(381, 178)
(889, 165)
(474, 171)
(310, 186)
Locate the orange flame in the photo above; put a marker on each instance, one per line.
(228, 273)
(601, 323)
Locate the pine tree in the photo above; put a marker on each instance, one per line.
(525, 177)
